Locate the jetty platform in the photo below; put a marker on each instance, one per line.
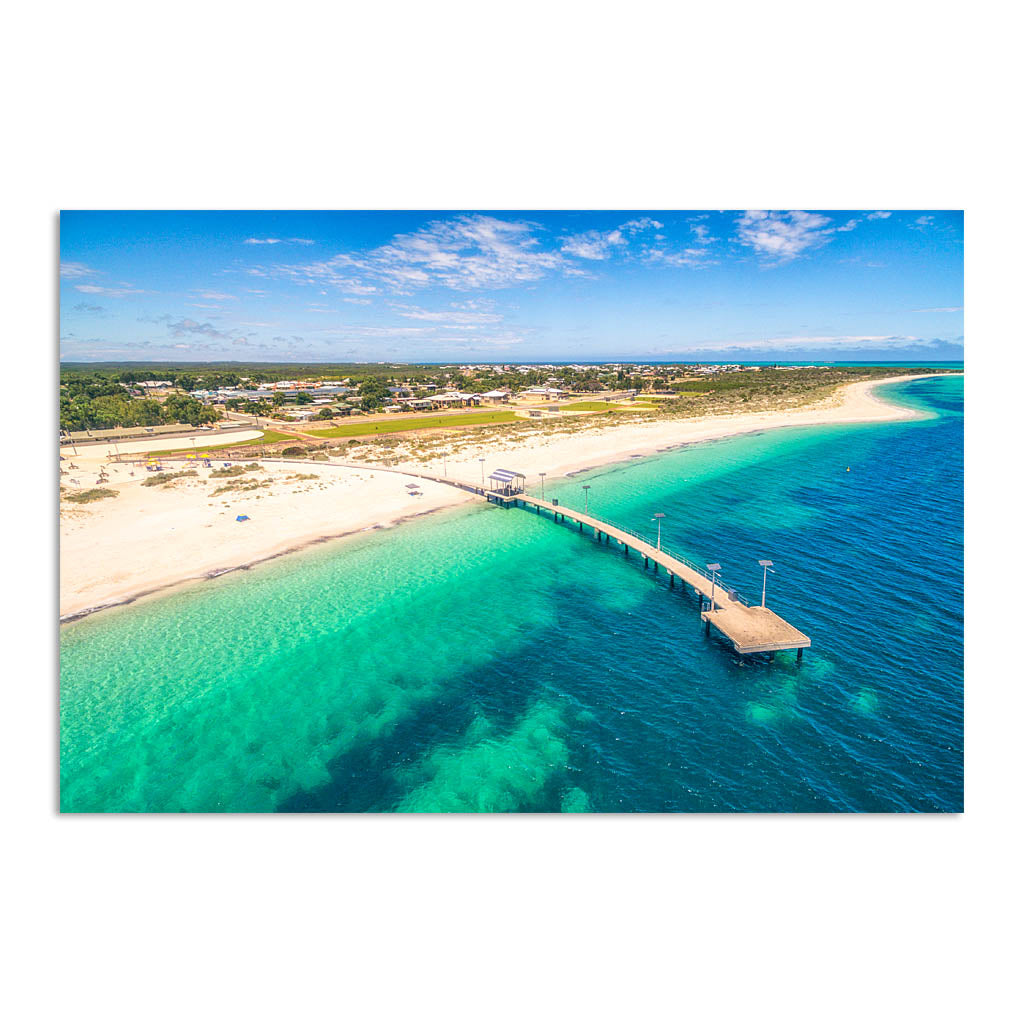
(752, 629)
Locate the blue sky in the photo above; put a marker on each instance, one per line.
(511, 286)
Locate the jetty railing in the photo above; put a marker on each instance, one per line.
(688, 562)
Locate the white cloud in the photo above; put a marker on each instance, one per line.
(461, 319)
(632, 227)
(780, 236)
(72, 270)
(115, 293)
(601, 245)
(940, 309)
(702, 231)
(476, 251)
(593, 245)
(879, 342)
(879, 215)
(848, 226)
(279, 241)
(689, 257)
(922, 223)
(216, 296)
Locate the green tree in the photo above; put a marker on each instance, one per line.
(373, 393)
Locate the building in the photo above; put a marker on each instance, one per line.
(542, 393)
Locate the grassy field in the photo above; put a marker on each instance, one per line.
(419, 423)
(269, 437)
(603, 407)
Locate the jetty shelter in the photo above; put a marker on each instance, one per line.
(507, 482)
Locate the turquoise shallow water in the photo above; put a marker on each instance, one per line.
(489, 660)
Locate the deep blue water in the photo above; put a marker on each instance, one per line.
(491, 660)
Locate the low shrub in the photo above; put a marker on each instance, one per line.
(93, 494)
(167, 478)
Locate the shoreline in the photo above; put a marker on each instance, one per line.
(214, 574)
(91, 539)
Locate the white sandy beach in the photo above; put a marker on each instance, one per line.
(149, 538)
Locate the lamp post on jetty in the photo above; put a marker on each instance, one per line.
(659, 516)
(586, 498)
(542, 475)
(715, 568)
(766, 564)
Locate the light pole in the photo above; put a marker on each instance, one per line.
(481, 461)
(766, 564)
(659, 516)
(715, 568)
(586, 498)
(542, 475)
(444, 459)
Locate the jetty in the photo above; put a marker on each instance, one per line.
(752, 629)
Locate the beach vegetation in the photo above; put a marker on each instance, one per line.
(235, 470)
(240, 486)
(92, 494)
(164, 479)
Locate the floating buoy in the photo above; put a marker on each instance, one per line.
(847, 469)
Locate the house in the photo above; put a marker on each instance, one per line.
(457, 398)
(496, 396)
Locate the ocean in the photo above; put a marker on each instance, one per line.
(483, 659)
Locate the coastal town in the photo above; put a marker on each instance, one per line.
(126, 404)
(217, 486)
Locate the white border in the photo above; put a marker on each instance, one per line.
(533, 106)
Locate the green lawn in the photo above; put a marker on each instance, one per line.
(358, 429)
(269, 437)
(602, 406)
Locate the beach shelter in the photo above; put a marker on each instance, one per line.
(241, 519)
(507, 481)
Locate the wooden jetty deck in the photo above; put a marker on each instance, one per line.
(752, 629)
